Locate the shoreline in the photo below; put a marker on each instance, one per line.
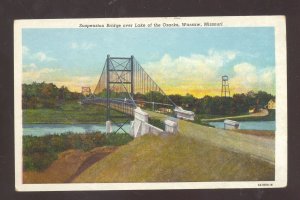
(259, 133)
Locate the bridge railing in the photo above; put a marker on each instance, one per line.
(125, 106)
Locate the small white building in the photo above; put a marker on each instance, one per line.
(271, 104)
(230, 124)
(184, 114)
(251, 110)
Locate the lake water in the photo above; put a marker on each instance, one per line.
(250, 125)
(46, 129)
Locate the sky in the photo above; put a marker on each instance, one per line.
(180, 60)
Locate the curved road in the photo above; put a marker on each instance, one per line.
(259, 147)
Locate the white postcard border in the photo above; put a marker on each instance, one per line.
(278, 22)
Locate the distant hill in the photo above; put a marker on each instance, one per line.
(176, 158)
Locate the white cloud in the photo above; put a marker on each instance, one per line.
(74, 45)
(25, 50)
(43, 74)
(42, 57)
(82, 46)
(76, 82)
(249, 77)
(36, 56)
(193, 74)
(29, 66)
(245, 74)
(244, 68)
(219, 58)
(268, 76)
(58, 77)
(231, 55)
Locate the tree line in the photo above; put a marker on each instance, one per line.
(216, 105)
(48, 95)
(45, 95)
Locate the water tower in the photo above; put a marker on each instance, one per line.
(225, 92)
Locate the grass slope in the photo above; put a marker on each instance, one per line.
(176, 158)
(40, 152)
(68, 164)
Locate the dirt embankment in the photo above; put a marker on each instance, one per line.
(68, 165)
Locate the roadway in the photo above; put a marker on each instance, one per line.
(259, 147)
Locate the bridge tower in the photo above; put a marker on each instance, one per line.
(225, 92)
(124, 86)
(120, 84)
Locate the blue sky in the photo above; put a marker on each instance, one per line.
(75, 57)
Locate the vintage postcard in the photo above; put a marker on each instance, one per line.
(150, 103)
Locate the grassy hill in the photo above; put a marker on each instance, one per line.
(74, 160)
(176, 158)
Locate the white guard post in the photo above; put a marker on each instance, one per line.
(230, 124)
(184, 114)
(171, 126)
(108, 127)
(140, 125)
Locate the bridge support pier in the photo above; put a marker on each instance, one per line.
(171, 126)
(184, 114)
(108, 127)
(140, 125)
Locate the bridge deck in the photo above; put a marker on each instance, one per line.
(119, 105)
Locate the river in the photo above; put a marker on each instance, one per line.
(46, 129)
(250, 125)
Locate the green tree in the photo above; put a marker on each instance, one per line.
(188, 101)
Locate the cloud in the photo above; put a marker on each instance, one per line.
(82, 46)
(42, 57)
(36, 56)
(219, 58)
(30, 66)
(249, 77)
(25, 50)
(246, 73)
(57, 76)
(75, 83)
(268, 76)
(43, 74)
(194, 74)
(37, 69)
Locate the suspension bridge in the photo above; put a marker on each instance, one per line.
(124, 86)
